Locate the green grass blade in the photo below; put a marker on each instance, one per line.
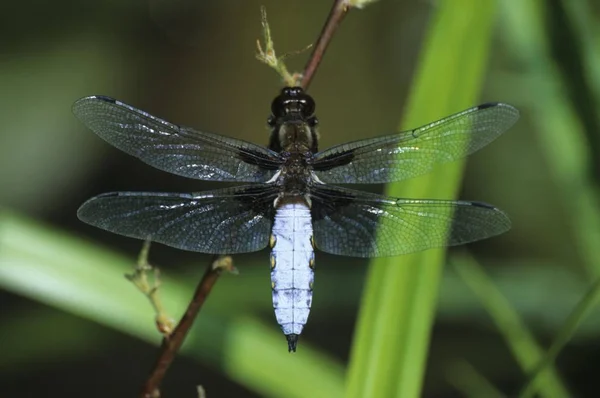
(582, 19)
(465, 378)
(520, 341)
(564, 335)
(392, 336)
(561, 134)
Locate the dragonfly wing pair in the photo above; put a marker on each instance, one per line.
(346, 222)
(288, 202)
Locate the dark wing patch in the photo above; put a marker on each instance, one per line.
(360, 224)
(178, 150)
(225, 221)
(411, 153)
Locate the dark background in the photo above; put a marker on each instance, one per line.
(192, 62)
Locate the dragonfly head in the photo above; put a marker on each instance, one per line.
(293, 121)
(293, 104)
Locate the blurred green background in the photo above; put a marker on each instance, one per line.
(73, 326)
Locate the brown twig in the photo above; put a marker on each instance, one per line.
(171, 343)
(336, 15)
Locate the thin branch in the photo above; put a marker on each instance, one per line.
(171, 343)
(336, 15)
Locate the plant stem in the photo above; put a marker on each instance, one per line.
(170, 344)
(336, 15)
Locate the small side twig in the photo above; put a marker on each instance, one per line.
(139, 277)
(268, 55)
(171, 343)
(338, 11)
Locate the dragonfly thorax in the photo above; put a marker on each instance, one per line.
(295, 175)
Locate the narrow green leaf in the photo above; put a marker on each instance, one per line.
(564, 335)
(392, 336)
(465, 378)
(561, 134)
(520, 341)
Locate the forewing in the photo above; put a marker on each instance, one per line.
(178, 150)
(225, 221)
(360, 224)
(411, 153)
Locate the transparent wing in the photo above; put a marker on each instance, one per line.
(360, 224)
(178, 150)
(225, 221)
(411, 153)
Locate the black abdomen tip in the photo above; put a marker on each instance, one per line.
(292, 341)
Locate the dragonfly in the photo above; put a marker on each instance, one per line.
(292, 198)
